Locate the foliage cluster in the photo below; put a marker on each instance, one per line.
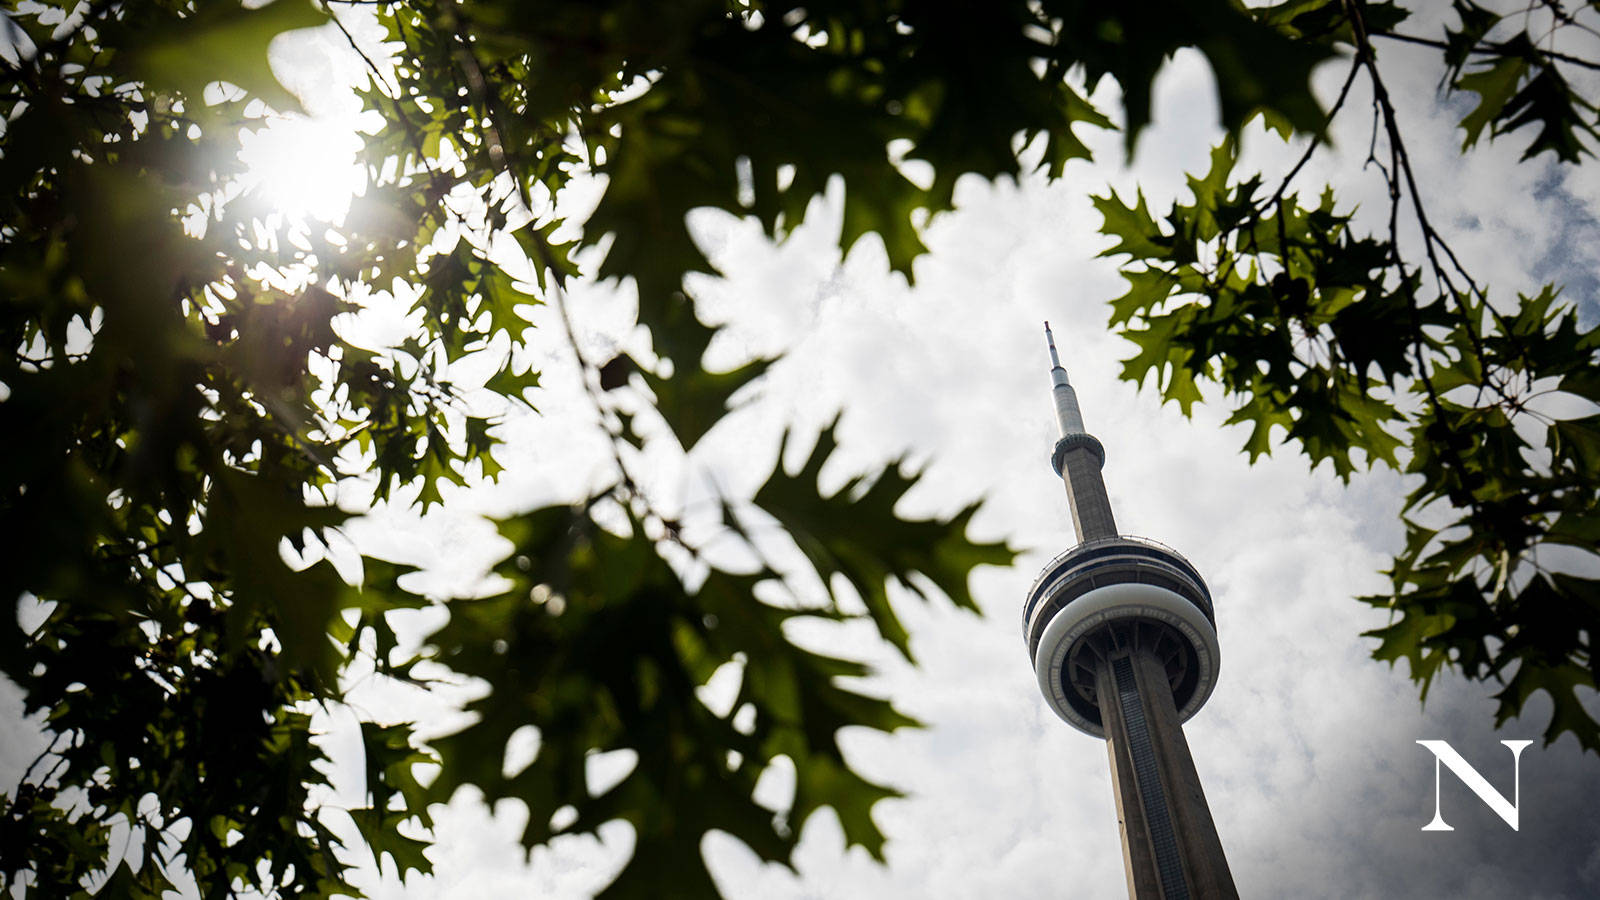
(1380, 348)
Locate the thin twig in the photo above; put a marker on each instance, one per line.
(1399, 163)
(1488, 48)
(1317, 139)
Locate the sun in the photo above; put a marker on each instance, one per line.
(303, 167)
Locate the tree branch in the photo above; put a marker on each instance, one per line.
(1485, 48)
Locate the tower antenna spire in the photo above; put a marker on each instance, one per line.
(1067, 414)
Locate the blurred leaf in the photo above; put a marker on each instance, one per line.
(220, 41)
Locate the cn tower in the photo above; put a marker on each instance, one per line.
(1123, 638)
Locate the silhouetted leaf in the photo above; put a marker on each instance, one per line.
(855, 532)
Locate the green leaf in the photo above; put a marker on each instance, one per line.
(855, 532)
(511, 384)
(1563, 117)
(1566, 686)
(1264, 416)
(381, 830)
(219, 42)
(1495, 85)
(1443, 624)
(1258, 68)
(693, 399)
(1578, 441)
(1136, 231)
(1148, 288)
(1475, 25)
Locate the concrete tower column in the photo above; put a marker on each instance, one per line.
(1170, 846)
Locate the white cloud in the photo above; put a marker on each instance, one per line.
(1306, 749)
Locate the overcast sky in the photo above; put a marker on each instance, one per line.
(1306, 749)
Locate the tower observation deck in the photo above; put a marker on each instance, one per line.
(1123, 639)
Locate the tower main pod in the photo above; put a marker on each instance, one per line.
(1123, 639)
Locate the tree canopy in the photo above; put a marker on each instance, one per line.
(188, 387)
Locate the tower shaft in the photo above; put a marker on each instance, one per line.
(1170, 847)
(1086, 493)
